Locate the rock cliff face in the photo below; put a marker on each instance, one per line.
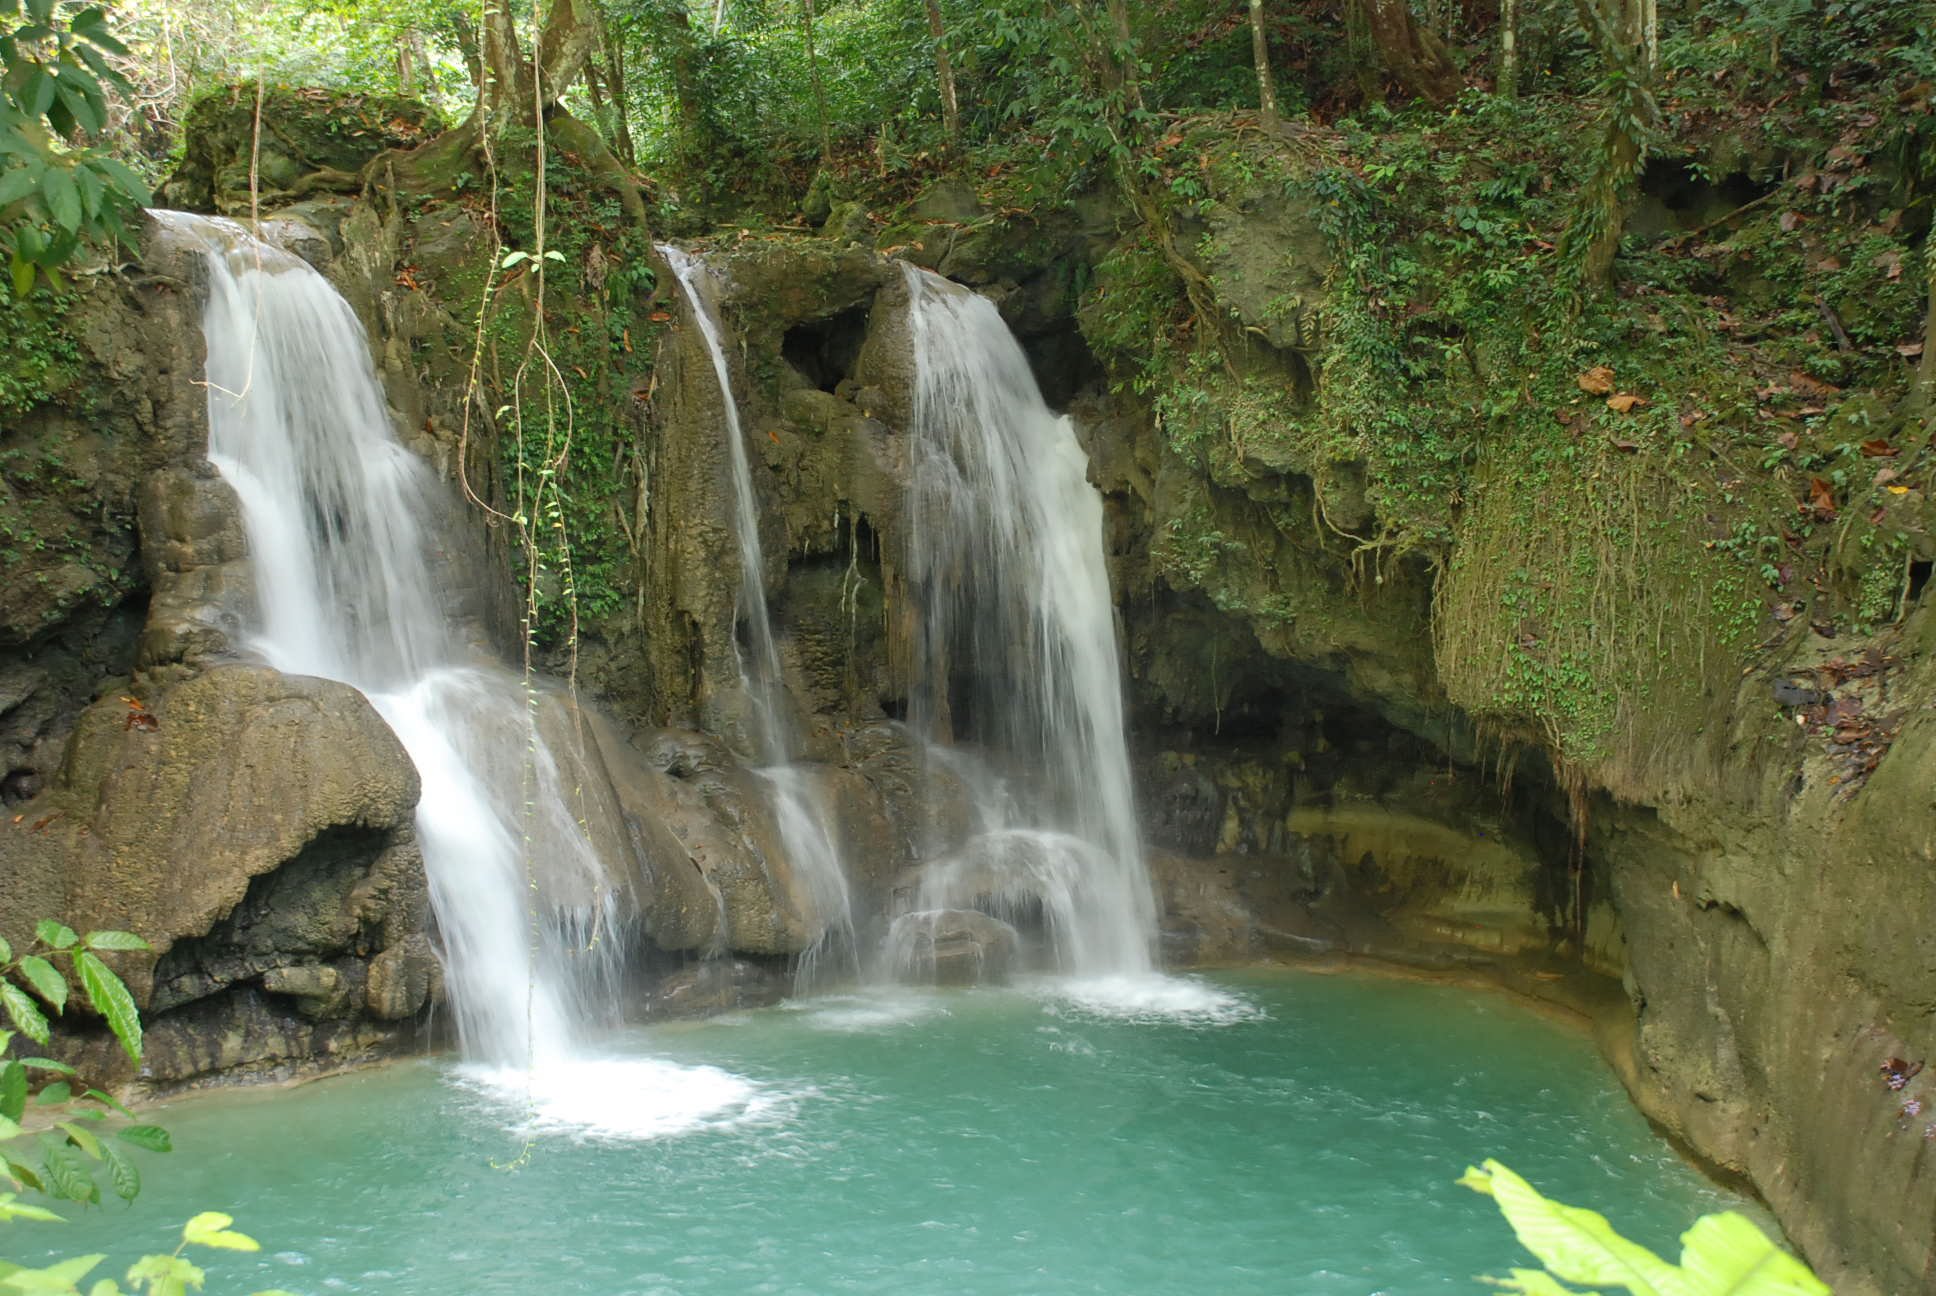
(1743, 902)
(254, 827)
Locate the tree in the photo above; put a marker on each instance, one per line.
(1633, 123)
(1508, 83)
(1260, 54)
(819, 90)
(1411, 54)
(944, 73)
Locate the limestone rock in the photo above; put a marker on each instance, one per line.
(196, 557)
(951, 947)
(401, 979)
(716, 986)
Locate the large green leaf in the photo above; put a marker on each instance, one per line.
(60, 1277)
(1576, 1244)
(46, 980)
(83, 1138)
(112, 1000)
(63, 197)
(66, 1175)
(211, 1229)
(130, 183)
(122, 1172)
(1726, 1255)
(25, 1012)
(47, 1064)
(13, 1090)
(10, 1208)
(1537, 1282)
(114, 940)
(165, 1275)
(24, 1175)
(55, 935)
(152, 1137)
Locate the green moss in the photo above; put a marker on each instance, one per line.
(41, 355)
(566, 399)
(1604, 570)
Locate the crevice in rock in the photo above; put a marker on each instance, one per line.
(1062, 362)
(1677, 196)
(303, 911)
(1918, 580)
(825, 351)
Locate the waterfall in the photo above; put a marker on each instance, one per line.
(803, 818)
(1014, 643)
(331, 503)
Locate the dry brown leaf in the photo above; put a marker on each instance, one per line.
(1597, 381)
(1821, 497)
(1622, 402)
(1812, 386)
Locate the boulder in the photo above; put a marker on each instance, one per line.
(716, 986)
(951, 947)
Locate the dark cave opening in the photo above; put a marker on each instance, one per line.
(824, 351)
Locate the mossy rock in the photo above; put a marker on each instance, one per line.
(310, 138)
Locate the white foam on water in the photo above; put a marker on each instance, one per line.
(866, 1013)
(623, 1099)
(1148, 999)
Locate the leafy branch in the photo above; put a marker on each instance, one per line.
(1724, 1254)
(56, 191)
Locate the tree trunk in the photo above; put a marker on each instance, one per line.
(1508, 86)
(1414, 56)
(614, 67)
(1260, 53)
(565, 45)
(719, 15)
(944, 72)
(1632, 119)
(819, 92)
(1923, 401)
(1125, 52)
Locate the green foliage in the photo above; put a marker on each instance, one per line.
(75, 1119)
(76, 1133)
(1721, 1255)
(54, 71)
(41, 354)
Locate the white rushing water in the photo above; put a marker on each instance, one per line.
(526, 910)
(1015, 644)
(297, 425)
(800, 810)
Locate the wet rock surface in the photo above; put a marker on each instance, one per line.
(1756, 937)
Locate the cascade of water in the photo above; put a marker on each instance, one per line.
(330, 502)
(1014, 642)
(800, 811)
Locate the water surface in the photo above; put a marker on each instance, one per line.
(1277, 1133)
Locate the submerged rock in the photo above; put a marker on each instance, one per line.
(952, 947)
(716, 986)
